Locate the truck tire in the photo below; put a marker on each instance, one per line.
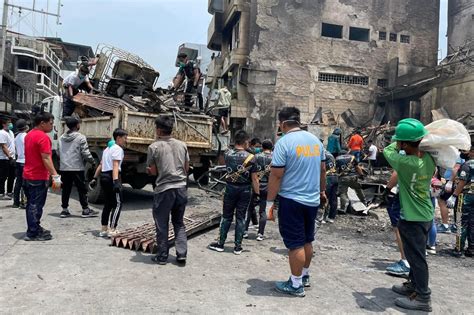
(95, 195)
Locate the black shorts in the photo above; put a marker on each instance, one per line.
(296, 222)
(393, 209)
(445, 195)
(224, 112)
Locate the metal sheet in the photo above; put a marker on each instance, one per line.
(105, 104)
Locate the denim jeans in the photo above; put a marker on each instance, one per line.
(331, 193)
(18, 183)
(357, 155)
(36, 192)
(414, 236)
(236, 200)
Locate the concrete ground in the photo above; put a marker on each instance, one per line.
(78, 272)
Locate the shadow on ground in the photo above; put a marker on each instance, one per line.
(259, 287)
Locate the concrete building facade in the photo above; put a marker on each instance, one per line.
(333, 55)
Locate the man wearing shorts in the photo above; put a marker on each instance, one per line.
(298, 176)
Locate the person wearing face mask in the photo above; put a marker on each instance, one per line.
(463, 197)
(109, 172)
(414, 170)
(241, 177)
(78, 80)
(22, 128)
(168, 160)
(298, 177)
(7, 158)
(254, 148)
(189, 70)
(73, 154)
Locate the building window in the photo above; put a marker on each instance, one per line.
(405, 39)
(26, 63)
(383, 83)
(55, 78)
(359, 34)
(382, 35)
(331, 30)
(393, 37)
(345, 79)
(236, 35)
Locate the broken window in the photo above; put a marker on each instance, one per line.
(383, 83)
(331, 30)
(405, 39)
(393, 37)
(359, 34)
(342, 78)
(382, 35)
(26, 63)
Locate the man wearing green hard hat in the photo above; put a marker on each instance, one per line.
(415, 170)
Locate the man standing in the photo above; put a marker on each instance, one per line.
(355, 145)
(241, 176)
(22, 128)
(332, 183)
(334, 142)
(38, 167)
(73, 153)
(415, 170)
(168, 159)
(298, 177)
(7, 158)
(189, 70)
(72, 83)
(348, 170)
(373, 150)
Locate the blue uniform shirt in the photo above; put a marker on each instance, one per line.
(301, 154)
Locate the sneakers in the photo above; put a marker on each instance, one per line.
(330, 220)
(414, 303)
(443, 229)
(431, 249)
(88, 213)
(453, 228)
(216, 247)
(238, 249)
(306, 282)
(16, 206)
(406, 288)
(398, 269)
(181, 259)
(160, 260)
(286, 287)
(260, 237)
(104, 233)
(246, 234)
(6, 197)
(44, 235)
(65, 213)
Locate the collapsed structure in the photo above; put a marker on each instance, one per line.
(328, 56)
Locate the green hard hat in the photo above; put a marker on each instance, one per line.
(409, 129)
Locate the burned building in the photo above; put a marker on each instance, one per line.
(446, 90)
(333, 55)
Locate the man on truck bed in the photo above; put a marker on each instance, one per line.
(74, 82)
(190, 70)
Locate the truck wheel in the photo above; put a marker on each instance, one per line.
(139, 181)
(95, 195)
(198, 172)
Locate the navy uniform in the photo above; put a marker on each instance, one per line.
(346, 165)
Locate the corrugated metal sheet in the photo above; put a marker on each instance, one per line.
(102, 103)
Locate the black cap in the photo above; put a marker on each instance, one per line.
(21, 124)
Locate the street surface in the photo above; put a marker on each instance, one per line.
(78, 272)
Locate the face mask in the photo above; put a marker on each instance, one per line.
(402, 152)
(464, 156)
(258, 150)
(110, 143)
(10, 126)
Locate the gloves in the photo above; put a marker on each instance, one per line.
(117, 186)
(93, 184)
(451, 201)
(448, 187)
(387, 194)
(269, 210)
(56, 182)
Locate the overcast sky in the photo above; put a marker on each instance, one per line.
(153, 29)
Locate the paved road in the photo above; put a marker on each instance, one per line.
(78, 272)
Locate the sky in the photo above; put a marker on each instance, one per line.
(152, 29)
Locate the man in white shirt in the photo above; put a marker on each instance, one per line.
(373, 150)
(72, 84)
(7, 158)
(22, 128)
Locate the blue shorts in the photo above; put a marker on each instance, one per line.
(393, 209)
(296, 222)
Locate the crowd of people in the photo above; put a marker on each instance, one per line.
(298, 176)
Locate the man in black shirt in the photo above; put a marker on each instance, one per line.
(241, 176)
(348, 170)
